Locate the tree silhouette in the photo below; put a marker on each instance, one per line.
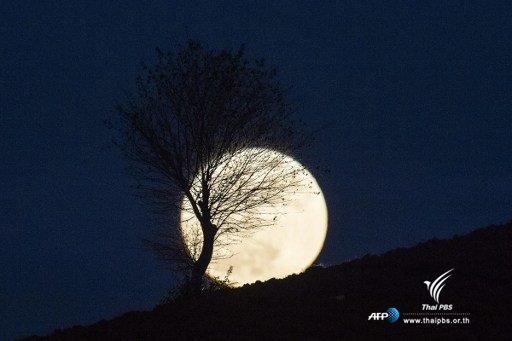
(199, 129)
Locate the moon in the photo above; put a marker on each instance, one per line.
(289, 246)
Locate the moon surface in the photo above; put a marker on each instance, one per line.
(289, 246)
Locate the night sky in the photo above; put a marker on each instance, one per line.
(412, 103)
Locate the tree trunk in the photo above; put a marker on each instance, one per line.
(203, 261)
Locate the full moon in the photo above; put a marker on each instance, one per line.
(290, 245)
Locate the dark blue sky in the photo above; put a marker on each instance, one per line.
(414, 99)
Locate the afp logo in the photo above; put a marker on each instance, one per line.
(391, 315)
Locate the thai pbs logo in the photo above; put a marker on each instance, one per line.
(434, 288)
(391, 315)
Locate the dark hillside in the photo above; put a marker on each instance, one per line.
(335, 302)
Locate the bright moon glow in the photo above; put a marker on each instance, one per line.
(289, 246)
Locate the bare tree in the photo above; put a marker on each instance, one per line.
(199, 129)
